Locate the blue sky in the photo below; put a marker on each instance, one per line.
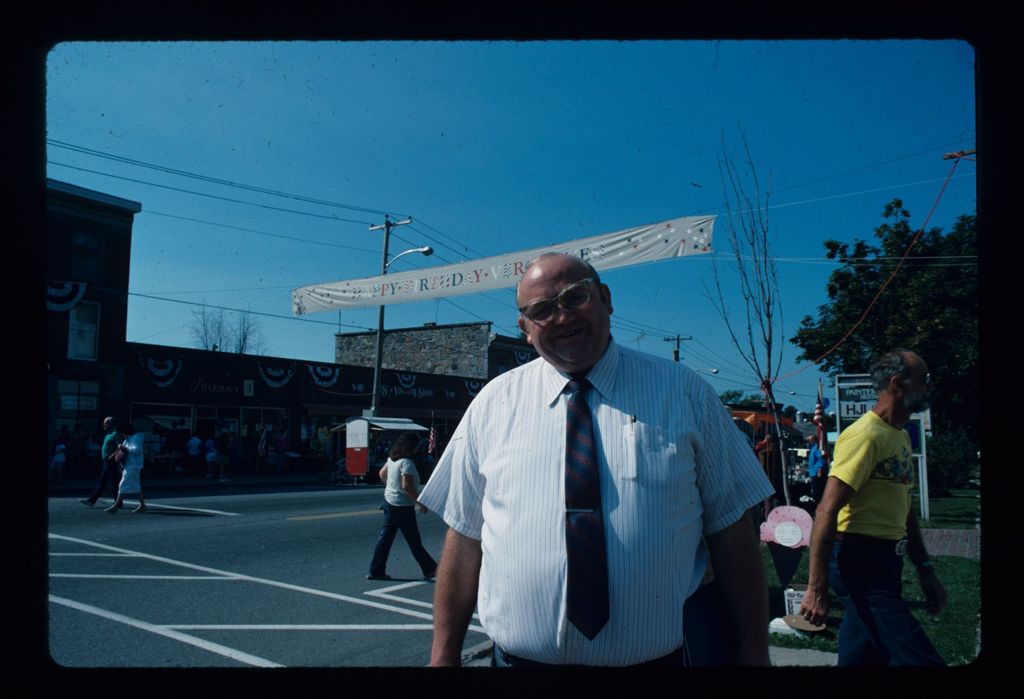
(493, 147)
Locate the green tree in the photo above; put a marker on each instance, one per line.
(743, 401)
(930, 306)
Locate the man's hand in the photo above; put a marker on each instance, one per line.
(934, 593)
(814, 608)
(422, 508)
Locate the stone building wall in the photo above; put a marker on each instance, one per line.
(452, 350)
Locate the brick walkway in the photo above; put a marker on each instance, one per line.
(965, 543)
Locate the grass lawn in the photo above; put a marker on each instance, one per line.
(958, 511)
(954, 632)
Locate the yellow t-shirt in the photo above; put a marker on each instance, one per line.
(874, 459)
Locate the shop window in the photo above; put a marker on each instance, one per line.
(83, 331)
(78, 396)
(85, 256)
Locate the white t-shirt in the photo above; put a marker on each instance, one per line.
(393, 492)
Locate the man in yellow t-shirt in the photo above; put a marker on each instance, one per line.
(866, 511)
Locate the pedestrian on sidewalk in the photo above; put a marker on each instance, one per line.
(866, 511)
(110, 469)
(57, 462)
(194, 455)
(399, 506)
(131, 477)
(817, 468)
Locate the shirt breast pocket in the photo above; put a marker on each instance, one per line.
(650, 456)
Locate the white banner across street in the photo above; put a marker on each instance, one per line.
(678, 237)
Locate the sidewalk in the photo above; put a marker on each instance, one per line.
(157, 484)
(965, 543)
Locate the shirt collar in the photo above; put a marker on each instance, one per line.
(601, 376)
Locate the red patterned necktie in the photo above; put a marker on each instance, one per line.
(587, 584)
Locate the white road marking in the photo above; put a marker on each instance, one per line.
(141, 577)
(248, 578)
(169, 633)
(152, 504)
(332, 515)
(385, 593)
(304, 627)
(400, 586)
(128, 504)
(96, 555)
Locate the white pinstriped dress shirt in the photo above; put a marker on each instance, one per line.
(673, 467)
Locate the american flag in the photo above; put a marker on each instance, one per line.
(819, 420)
(432, 441)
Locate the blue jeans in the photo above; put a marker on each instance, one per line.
(400, 519)
(877, 627)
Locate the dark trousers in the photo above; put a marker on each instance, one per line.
(709, 640)
(400, 519)
(877, 628)
(110, 473)
(499, 658)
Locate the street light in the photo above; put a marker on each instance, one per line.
(384, 264)
(708, 371)
(425, 250)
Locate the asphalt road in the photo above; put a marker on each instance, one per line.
(236, 580)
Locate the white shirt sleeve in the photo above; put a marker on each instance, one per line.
(729, 476)
(455, 489)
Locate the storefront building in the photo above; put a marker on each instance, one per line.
(266, 413)
(88, 236)
(261, 405)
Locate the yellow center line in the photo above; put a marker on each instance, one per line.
(333, 515)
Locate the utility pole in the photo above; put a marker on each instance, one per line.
(677, 339)
(386, 227)
(957, 155)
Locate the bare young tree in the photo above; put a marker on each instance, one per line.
(209, 329)
(247, 335)
(758, 336)
(213, 330)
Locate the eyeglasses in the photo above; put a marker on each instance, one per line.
(569, 298)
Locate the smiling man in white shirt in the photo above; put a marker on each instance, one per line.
(672, 469)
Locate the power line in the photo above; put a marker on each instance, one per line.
(209, 196)
(863, 191)
(253, 230)
(207, 178)
(873, 165)
(242, 310)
